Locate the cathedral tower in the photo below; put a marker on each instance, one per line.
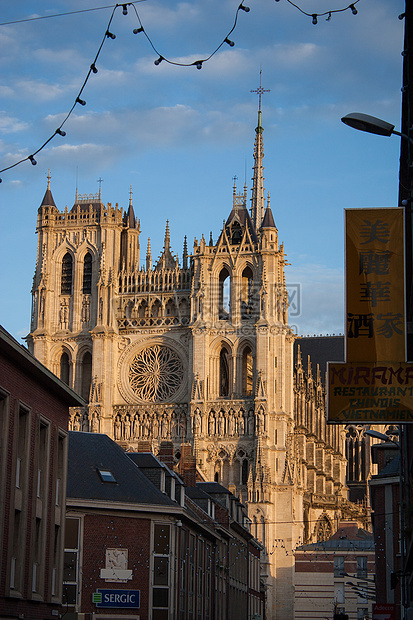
(198, 352)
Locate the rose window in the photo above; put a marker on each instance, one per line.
(156, 373)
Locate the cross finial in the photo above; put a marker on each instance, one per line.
(100, 181)
(260, 91)
(48, 179)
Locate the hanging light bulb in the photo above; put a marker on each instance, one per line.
(159, 60)
(198, 64)
(314, 16)
(32, 159)
(60, 132)
(124, 9)
(93, 67)
(230, 43)
(137, 30)
(244, 8)
(110, 35)
(353, 9)
(81, 101)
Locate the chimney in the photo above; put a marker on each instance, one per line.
(166, 454)
(187, 465)
(144, 446)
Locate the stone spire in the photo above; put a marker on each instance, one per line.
(130, 219)
(258, 200)
(149, 256)
(48, 198)
(185, 255)
(167, 242)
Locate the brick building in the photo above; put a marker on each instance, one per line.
(34, 413)
(134, 530)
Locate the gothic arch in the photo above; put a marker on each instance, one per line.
(225, 374)
(65, 366)
(245, 368)
(87, 274)
(84, 372)
(323, 528)
(224, 292)
(67, 274)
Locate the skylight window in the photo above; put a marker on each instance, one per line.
(106, 475)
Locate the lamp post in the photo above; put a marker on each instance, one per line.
(399, 446)
(377, 126)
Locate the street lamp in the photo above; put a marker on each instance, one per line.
(371, 124)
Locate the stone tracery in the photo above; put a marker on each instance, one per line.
(156, 373)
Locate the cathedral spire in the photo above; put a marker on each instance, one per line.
(185, 254)
(149, 256)
(130, 218)
(167, 242)
(48, 198)
(258, 200)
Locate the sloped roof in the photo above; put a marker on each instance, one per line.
(268, 219)
(321, 349)
(89, 452)
(48, 200)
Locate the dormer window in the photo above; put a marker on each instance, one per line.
(106, 475)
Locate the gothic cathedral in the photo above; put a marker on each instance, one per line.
(195, 352)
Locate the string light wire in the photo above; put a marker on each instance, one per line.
(197, 63)
(93, 69)
(351, 7)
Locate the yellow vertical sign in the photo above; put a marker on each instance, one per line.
(375, 384)
(375, 285)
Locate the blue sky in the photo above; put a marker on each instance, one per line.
(179, 135)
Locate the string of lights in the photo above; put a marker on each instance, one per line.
(351, 7)
(161, 58)
(93, 69)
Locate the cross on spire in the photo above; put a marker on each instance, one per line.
(260, 91)
(100, 181)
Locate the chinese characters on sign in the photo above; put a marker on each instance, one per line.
(375, 384)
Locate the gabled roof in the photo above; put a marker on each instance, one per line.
(91, 452)
(241, 215)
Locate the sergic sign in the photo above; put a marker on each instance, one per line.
(116, 598)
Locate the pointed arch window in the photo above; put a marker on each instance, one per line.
(236, 233)
(64, 368)
(247, 371)
(87, 274)
(67, 274)
(224, 302)
(86, 376)
(224, 374)
(247, 293)
(244, 471)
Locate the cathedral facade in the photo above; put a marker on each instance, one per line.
(199, 352)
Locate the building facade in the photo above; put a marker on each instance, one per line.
(34, 417)
(197, 351)
(336, 576)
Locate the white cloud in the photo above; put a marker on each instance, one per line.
(9, 124)
(321, 299)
